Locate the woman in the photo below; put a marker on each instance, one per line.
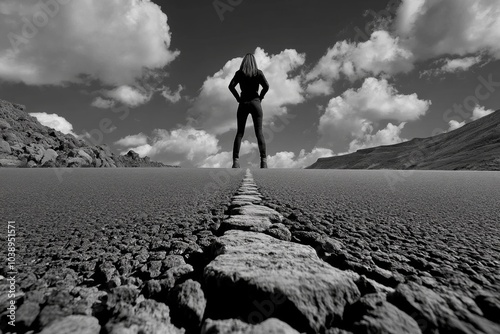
(249, 77)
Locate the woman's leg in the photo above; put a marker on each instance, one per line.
(257, 116)
(241, 116)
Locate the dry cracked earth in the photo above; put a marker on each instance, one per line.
(244, 256)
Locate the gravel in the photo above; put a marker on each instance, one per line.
(130, 250)
(431, 226)
(80, 239)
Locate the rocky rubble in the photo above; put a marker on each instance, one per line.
(24, 142)
(429, 272)
(314, 285)
(259, 275)
(134, 265)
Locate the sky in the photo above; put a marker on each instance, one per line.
(152, 76)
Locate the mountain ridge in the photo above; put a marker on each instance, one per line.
(24, 142)
(474, 146)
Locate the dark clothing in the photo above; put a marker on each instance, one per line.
(249, 86)
(254, 108)
(249, 104)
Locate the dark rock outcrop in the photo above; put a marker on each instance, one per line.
(24, 142)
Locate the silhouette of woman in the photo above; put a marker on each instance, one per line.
(249, 77)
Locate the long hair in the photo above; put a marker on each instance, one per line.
(249, 65)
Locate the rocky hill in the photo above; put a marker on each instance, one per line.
(475, 146)
(24, 142)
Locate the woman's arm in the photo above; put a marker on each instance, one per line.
(264, 84)
(232, 87)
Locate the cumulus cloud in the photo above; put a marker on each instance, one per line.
(185, 145)
(113, 41)
(55, 122)
(303, 159)
(279, 160)
(319, 86)
(219, 160)
(171, 96)
(477, 113)
(354, 113)
(129, 96)
(453, 125)
(215, 107)
(480, 112)
(196, 148)
(225, 159)
(434, 28)
(382, 54)
(468, 30)
(101, 103)
(133, 140)
(390, 135)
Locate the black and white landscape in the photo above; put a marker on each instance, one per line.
(379, 209)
